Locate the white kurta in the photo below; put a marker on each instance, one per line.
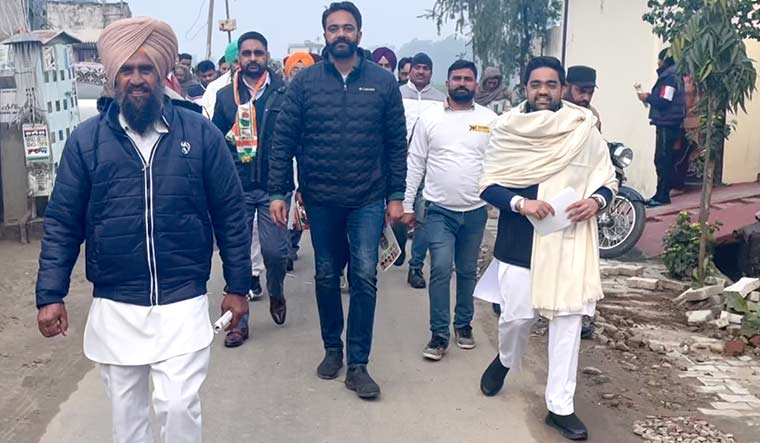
(130, 335)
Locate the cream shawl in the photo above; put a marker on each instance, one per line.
(555, 150)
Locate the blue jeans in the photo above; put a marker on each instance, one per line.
(275, 243)
(455, 238)
(337, 234)
(295, 243)
(420, 243)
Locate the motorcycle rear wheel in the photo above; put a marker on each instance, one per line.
(621, 227)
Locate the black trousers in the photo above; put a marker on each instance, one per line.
(667, 137)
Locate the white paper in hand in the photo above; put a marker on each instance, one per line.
(560, 220)
(389, 248)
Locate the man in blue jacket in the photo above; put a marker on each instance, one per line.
(344, 122)
(147, 186)
(667, 103)
(246, 112)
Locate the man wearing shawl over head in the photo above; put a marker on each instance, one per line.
(147, 186)
(538, 151)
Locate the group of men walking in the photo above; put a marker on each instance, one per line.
(151, 182)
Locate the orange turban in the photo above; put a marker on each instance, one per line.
(123, 38)
(294, 58)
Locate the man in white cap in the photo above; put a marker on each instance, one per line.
(147, 185)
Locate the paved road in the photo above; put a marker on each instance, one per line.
(267, 390)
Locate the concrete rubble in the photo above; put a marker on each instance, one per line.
(679, 430)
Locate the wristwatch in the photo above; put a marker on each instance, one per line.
(520, 205)
(599, 200)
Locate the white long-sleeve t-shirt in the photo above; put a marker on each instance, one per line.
(447, 149)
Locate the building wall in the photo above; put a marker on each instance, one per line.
(83, 16)
(741, 155)
(610, 36)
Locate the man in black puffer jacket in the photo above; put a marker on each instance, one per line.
(343, 119)
(255, 82)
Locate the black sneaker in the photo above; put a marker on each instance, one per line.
(570, 426)
(255, 293)
(416, 279)
(359, 381)
(464, 337)
(331, 364)
(493, 378)
(436, 348)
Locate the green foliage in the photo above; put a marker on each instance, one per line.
(681, 246)
(707, 42)
(668, 17)
(502, 32)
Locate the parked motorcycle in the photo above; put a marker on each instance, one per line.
(621, 225)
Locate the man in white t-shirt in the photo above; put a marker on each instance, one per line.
(447, 148)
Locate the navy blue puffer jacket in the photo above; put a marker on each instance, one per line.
(149, 229)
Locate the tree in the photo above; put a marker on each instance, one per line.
(503, 32)
(707, 43)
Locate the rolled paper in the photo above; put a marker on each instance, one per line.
(223, 322)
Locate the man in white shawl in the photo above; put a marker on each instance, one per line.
(539, 151)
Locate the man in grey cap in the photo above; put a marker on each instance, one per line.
(581, 85)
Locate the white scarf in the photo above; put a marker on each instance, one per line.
(555, 150)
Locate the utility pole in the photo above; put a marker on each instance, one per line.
(229, 33)
(210, 28)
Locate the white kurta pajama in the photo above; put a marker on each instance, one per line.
(555, 150)
(168, 345)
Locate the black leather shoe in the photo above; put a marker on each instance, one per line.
(359, 381)
(278, 308)
(416, 279)
(493, 378)
(331, 364)
(570, 426)
(401, 259)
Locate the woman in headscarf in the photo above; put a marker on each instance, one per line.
(493, 94)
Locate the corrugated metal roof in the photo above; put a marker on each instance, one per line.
(43, 37)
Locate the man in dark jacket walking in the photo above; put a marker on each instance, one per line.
(668, 109)
(147, 185)
(246, 112)
(344, 121)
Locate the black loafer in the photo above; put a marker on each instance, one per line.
(570, 426)
(278, 308)
(493, 378)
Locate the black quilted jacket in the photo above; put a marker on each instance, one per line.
(349, 138)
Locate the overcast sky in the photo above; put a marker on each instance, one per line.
(391, 22)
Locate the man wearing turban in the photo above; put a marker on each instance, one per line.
(297, 62)
(209, 97)
(386, 58)
(147, 186)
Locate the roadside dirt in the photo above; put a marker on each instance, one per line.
(36, 374)
(619, 385)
